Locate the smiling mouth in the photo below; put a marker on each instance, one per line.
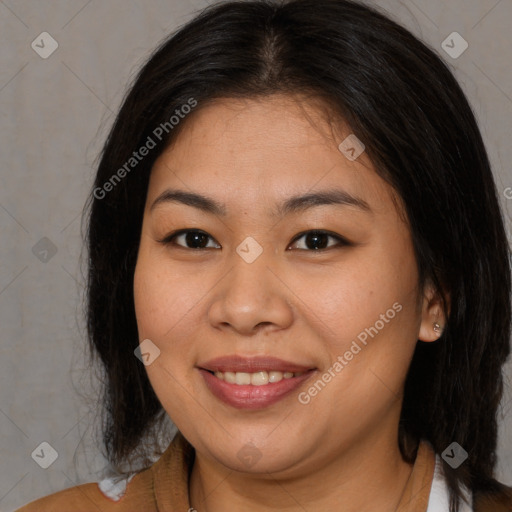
(253, 382)
(254, 390)
(261, 378)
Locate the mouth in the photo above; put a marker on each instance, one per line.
(253, 383)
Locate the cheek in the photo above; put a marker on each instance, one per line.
(377, 332)
(162, 296)
(355, 294)
(163, 314)
(366, 313)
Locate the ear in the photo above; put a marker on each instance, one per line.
(433, 319)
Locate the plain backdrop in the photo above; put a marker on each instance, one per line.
(54, 115)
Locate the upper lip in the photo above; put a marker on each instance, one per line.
(237, 363)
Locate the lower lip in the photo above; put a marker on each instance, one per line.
(247, 396)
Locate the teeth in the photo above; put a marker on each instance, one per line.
(229, 377)
(256, 379)
(275, 376)
(242, 378)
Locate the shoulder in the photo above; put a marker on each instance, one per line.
(79, 498)
(138, 495)
(165, 482)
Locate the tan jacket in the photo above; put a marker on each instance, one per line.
(163, 487)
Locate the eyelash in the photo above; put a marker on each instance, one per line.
(168, 240)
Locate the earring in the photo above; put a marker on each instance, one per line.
(437, 327)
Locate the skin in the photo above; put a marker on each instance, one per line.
(339, 451)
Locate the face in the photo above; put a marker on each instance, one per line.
(323, 288)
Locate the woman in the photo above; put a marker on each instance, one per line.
(297, 254)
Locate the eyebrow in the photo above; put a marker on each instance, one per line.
(293, 204)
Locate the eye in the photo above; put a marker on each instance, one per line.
(317, 240)
(190, 239)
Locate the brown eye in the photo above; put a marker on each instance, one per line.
(189, 239)
(319, 240)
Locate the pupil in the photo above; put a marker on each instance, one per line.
(315, 237)
(192, 239)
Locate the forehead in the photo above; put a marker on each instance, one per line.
(256, 150)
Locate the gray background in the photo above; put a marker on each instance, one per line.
(54, 116)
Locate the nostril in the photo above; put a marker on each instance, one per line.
(263, 323)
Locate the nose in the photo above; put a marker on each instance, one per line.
(251, 297)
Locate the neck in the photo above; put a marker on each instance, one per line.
(368, 476)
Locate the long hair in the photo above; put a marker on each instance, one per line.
(400, 98)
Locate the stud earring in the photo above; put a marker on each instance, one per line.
(437, 327)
